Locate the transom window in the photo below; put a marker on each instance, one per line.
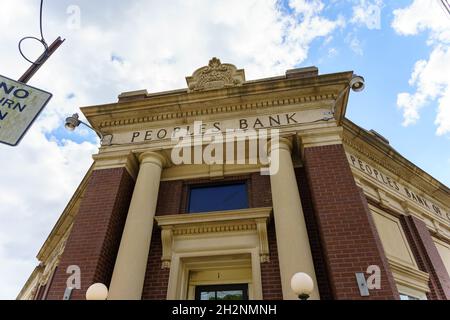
(407, 297)
(222, 292)
(218, 197)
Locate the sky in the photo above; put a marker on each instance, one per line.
(401, 47)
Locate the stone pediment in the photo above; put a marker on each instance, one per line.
(215, 75)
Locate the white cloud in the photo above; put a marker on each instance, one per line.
(159, 43)
(430, 77)
(423, 15)
(354, 44)
(332, 52)
(368, 13)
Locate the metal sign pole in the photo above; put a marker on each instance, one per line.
(41, 60)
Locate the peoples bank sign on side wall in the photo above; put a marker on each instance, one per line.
(19, 107)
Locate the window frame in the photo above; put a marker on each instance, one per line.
(212, 185)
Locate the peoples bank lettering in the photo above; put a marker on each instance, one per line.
(397, 187)
(234, 146)
(253, 123)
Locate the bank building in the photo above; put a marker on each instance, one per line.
(342, 205)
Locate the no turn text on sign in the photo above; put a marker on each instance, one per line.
(20, 105)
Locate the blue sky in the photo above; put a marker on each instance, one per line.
(114, 46)
(386, 62)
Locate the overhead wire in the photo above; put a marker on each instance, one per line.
(446, 6)
(41, 40)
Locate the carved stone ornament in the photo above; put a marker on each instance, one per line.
(215, 75)
(205, 225)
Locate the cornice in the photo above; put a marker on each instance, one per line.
(408, 276)
(214, 217)
(362, 149)
(388, 158)
(195, 224)
(216, 110)
(264, 93)
(31, 281)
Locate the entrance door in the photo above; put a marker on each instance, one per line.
(222, 292)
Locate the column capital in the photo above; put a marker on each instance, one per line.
(321, 137)
(110, 160)
(280, 144)
(154, 157)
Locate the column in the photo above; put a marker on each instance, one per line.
(131, 263)
(294, 252)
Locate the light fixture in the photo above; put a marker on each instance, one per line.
(97, 291)
(357, 83)
(74, 121)
(302, 285)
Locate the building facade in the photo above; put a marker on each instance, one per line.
(209, 219)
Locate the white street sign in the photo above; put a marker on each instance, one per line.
(20, 105)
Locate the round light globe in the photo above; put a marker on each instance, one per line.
(302, 285)
(97, 291)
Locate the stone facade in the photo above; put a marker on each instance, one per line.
(342, 201)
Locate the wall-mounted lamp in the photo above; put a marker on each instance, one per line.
(74, 121)
(302, 285)
(97, 291)
(356, 83)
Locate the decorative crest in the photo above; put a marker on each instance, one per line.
(215, 75)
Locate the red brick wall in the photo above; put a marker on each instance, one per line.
(260, 192)
(97, 229)
(270, 271)
(169, 197)
(427, 257)
(313, 235)
(261, 196)
(348, 234)
(156, 278)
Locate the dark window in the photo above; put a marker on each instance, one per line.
(218, 197)
(222, 292)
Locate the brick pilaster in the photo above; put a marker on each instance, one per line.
(427, 257)
(156, 278)
(314, 236)
(261, 196)
(95, 236)
(348, 234)
(270, 271)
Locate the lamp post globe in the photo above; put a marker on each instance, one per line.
(97, 291)
(302, 285)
